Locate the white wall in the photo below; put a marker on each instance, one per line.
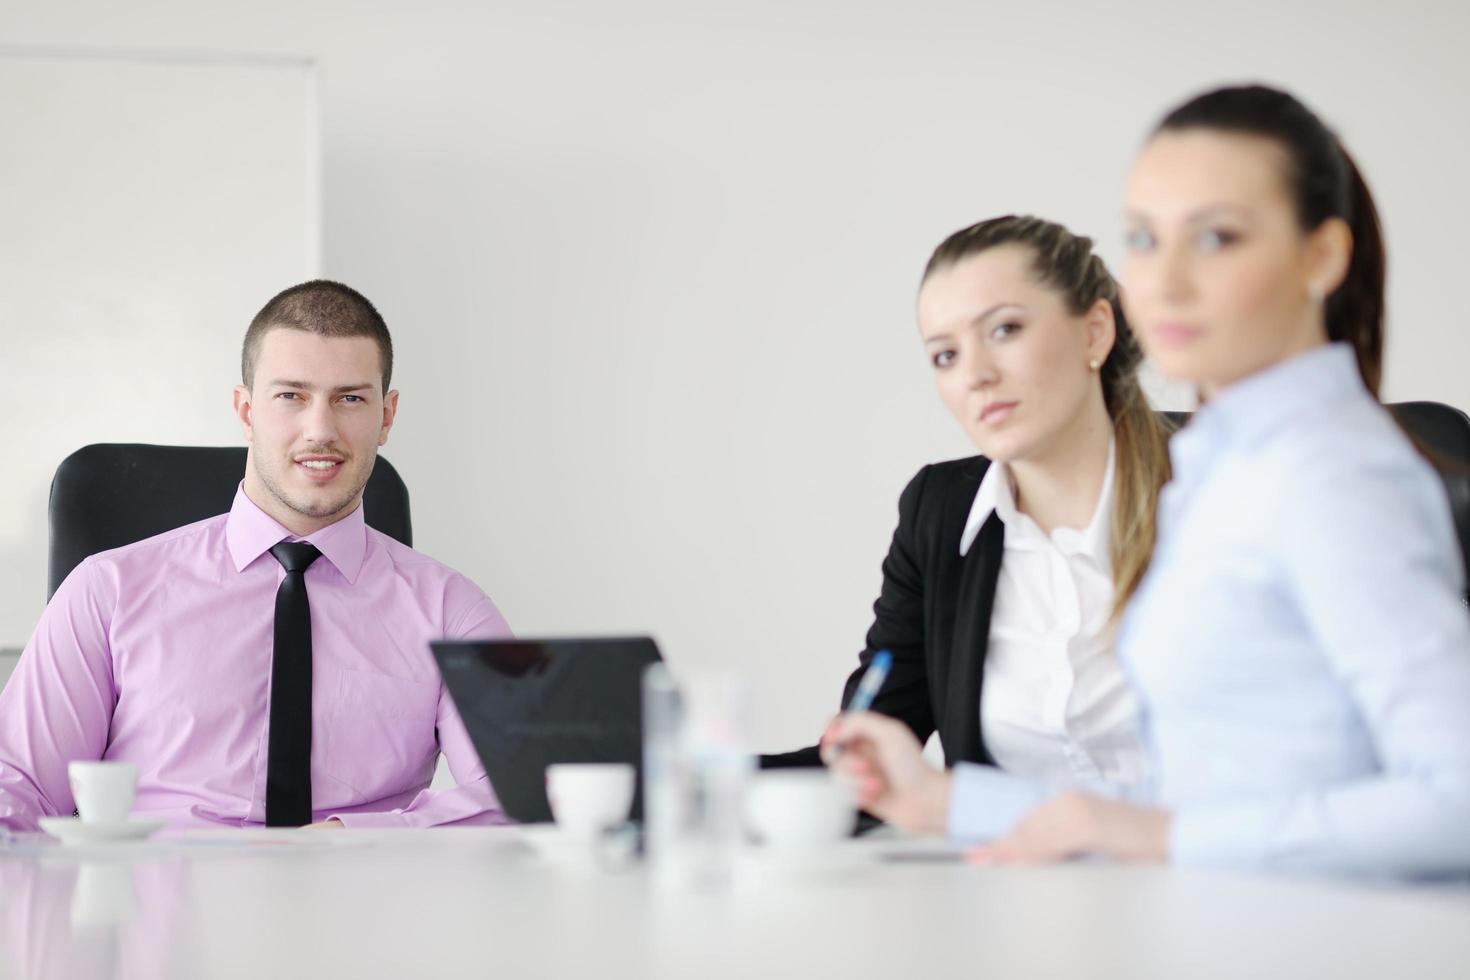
(650, 264)
(146, 204)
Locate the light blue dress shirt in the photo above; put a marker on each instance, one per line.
(1300, 644)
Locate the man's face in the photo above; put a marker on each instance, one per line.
(314, 417)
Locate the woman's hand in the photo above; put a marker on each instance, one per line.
(883, 762)
(1074, 823)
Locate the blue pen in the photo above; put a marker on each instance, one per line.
(872, 682)
(868, 687)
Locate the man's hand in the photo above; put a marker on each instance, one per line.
(330, 823)
(1073, 823)
(883, 762)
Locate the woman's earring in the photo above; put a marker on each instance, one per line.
(1094, 364)
(1314, 292)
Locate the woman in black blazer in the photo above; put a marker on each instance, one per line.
(988, 290)
(933, 614)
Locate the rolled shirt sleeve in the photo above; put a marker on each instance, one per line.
(57, 706)
(986, 802)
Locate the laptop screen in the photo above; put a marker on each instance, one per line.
(530, 703)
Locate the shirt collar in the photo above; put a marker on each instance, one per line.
(997, 495)
(1096, 537)
(1252, 410)
(250, 532)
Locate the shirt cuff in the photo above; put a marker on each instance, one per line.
(470, 805)
(372, 821)
(1228, 834)
(985, 802)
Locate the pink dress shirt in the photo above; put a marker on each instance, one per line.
(159, 653)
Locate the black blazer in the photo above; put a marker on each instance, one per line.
(933, 614)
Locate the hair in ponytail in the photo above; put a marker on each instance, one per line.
(1323, 182)
(1065, 263)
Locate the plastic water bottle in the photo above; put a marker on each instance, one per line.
(697, 765)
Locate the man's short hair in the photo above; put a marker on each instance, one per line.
(322, 307)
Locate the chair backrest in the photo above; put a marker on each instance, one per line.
(8, 660)
(1444, 431)
(107, 495)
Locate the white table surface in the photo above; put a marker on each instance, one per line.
(462, 902)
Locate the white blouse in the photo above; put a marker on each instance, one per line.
(1055, 706)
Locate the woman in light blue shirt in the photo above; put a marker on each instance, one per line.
(1299, 645)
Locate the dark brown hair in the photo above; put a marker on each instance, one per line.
(1323, 182)
(1065, 263)
(322, 307)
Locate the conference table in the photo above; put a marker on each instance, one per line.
(497, 902)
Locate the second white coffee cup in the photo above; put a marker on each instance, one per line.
(589, 797)
(798, 808)
(103, 791)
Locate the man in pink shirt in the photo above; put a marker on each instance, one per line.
(270, 665)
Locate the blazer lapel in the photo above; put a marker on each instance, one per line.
(959, 730)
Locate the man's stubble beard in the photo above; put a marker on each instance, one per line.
(306, 510)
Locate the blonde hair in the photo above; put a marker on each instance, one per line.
(1065, 263)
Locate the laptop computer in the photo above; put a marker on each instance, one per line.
(530, 703)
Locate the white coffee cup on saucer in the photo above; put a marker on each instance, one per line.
(103, 791)
(800, 808)
(587, 798)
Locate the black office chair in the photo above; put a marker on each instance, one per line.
(110, 494)
(1444, 431)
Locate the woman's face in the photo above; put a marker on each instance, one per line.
(1009, 357)
(1220, 281)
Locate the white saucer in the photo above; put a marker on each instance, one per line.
(550, 841)
(73, 830)
(556, 845)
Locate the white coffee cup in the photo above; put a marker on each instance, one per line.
(589, 797)
(103, 791)
(795, 808)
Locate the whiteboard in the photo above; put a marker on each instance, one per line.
(149, 206)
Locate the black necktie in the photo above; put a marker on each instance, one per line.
(288, 759)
